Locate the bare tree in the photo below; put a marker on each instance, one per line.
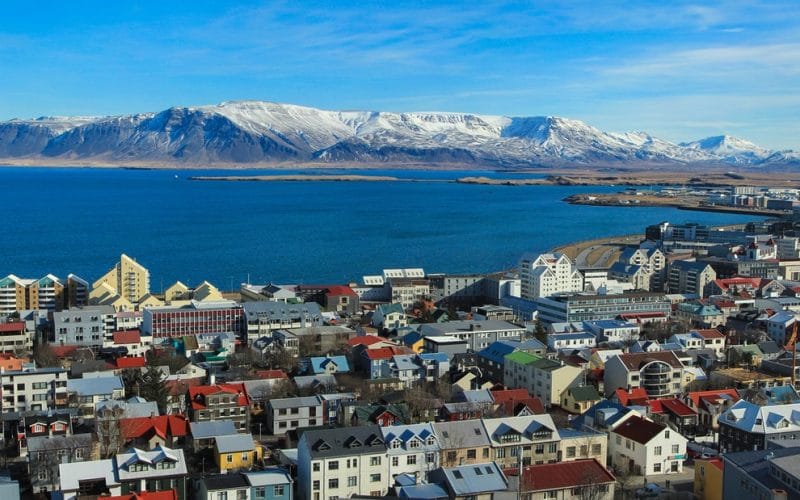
(592, 486)
(109, 433)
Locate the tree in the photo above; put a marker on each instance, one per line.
(44, 356)
(109, 434)
(539, 332)
(152, 387)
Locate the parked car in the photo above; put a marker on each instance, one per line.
(650, 490)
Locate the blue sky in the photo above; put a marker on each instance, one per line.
(679, 70)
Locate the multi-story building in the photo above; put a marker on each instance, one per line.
(85, 393)
(15, 336)
(548, 274)
(652, 262)
(491, 360)
(578, 479)
(265, 317)
(462, 442)
(159, 469)
(33, 389)
(129, 279)
(47, 452)
(195, 319)
(221, 402)
(761, 474)
(613, 331)
(478, 334)
(746, 426)
(237, 451)
(389, 316)
(289, 414)
(660, 373)
(18, 294)
(342, 462)
(644, 448)
(584, 307)
(314, 339)
(690, 277)
(582, 445)
(543, 378)
(413, 449)
(535, 437)
(89, 326)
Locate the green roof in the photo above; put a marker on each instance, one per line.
(585, 393)
(522, 358)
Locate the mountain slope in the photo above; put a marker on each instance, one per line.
(255, 132)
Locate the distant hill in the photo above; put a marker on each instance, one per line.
(263, 133)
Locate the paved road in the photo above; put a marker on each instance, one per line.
(681, 486)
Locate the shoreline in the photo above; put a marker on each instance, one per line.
(690, 203)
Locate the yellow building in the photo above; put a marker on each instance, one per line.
(176, 291)
(708, 479)
(206, 292)
(238, 451)
(128, 278)
(17, 294)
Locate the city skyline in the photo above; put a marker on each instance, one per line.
(680, 72)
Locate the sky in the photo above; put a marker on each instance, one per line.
(678, 70)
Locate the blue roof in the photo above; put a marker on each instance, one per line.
(95, 386)
(391, 308)
(435, 356)
(496, 351)
(617, 412)
(320, 363)
(570, 336)
(411, 338)
(422, 492)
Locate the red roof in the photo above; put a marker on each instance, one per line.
(145, 495)
(710, 333)
(130, 362)
(127, 337)
(162, 425)
(672, 405)
(14, 326)
(638, 429)
(503, 395)
(198, 394)
(386, 352)
(271, 374)
(62, 351)
(340, 290)
(178, 387)
(696, 396)
(564, 475)
(636, 397)
(366, 340)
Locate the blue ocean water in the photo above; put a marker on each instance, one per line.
(78, 220)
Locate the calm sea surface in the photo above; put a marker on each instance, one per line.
(78, 220)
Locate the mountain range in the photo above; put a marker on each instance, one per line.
(250, 133)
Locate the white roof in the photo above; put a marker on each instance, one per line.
(70, 474)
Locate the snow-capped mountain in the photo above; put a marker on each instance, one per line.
(255, 132)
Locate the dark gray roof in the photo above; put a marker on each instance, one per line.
(225, 481)
(344, 441)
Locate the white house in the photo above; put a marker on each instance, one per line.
(389, 316)
(644, 447)
(413, 449)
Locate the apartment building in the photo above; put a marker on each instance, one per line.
(478, 334)
(661, 373)
(18, 294)
(747, 426)
(690, 277)
(89, 326)
(761, 474)
(221, 402)
(33, 389)
(412, 449)
(194, 319)
(543, 378)
(265, 317)
(652, 262)
(462, 442)
(342, 462)
(586, 307)
(15, 336)
(548, 274)
(129, 279)
(289, 414)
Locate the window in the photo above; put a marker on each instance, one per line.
(486, 453)
(373, 461)
(315, 466)
(395, 461)
(656, 467)
(597, 449)
(261, 491)
(315, 484)
(333, 482)
(222, 495)
(229, 458)
(472, 454)
(352, 481)
(241, 495)
(500, 453)
(245, 456)
(539, 449)
(333, 465)
(675, 449)
(666, 434)
(279, 490)
(657, 451)
(429, 457)
(411, 460)
(570, 452)
(619, 440)
(375, 478)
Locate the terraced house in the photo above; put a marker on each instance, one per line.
(530, 440)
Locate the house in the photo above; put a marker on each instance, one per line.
(462, 442)
(700, 315)
(389, 317)
(95, 477)
(287, 414)
(342, 462)
(326, 364)
(516, 403)
(220, 402)
(478, 334)
(204, 434)
(576, 479)
(778, 326)
(710, 404)
(85, 392)
(571, 341)
(47, 452)
(582, 445)
(149, 432)
(41, 424)
(412, 449)
(580, 398)
(613, 331)
(713, 339)
(265, 317)
(160, 469)
(644, 447)
(659, 373)
(745, 355)
(637, 276)
(603, 416)
(535, 436)
(708, 478)
(222, 486)
(634, 397)
(382, 415)
(131, 340)
(272, 483)
(675, 413)
(237, 451)
(482, 480)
